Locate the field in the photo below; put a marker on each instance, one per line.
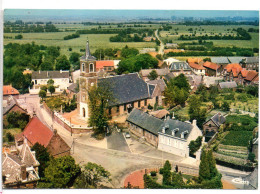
(56, 39)
(212, 30)
(237, 138)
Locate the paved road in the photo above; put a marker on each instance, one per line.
(161, 43)
(116, 141)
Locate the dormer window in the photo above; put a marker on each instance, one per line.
(83, 66)
(91, 67)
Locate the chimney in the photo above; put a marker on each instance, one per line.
(39, 71)
(23, 172)
(61, 71)
(163, 130)
(194, 122)
(47, 74)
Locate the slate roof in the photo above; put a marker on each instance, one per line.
(177, 66)
(210, 134)
(27, 156)
(145, 121)
(126, 88)
(73, 87)
(252, 60)
(50, 74)
(218, 119)
(11, 103)
(158, 82)
(88, 56)
(160, 72)
(220, 60)
(182, 126)
(235, 59)
(223, 85)
(9, 90)
(151, 89)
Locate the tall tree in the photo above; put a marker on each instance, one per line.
(204, 171)
(99, 99)
(51, 89)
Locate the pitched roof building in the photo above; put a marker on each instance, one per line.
(160, 72)
(36, 132)
(9, 90)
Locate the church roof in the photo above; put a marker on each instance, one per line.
(126, 88)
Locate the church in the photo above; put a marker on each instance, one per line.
(129, 90)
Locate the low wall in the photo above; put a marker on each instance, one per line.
(64, 123)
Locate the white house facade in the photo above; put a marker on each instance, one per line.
(60, 78)
(175, 136)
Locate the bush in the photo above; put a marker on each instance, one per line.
(161, 171)
(9, 137)
(242, 97)
(251, 157)
(150, 107)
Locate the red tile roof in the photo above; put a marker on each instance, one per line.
(251, 75)
(234, 67)
(9, 90)
(196, 66)
(211, 65)
(36, 131)
(102, 64)
(244, 72)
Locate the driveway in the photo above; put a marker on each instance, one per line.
(116, 141)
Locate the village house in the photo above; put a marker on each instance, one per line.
(106, 65)
(36, 132)
(181, 67)
(252, 78)
(212, 69)
(195, 60)
(9, 90)
(168, 135)
(220, 61)
(144, 126)
(144, 73)
(198, 69)
(231, 72)
(212, 125)
(175, 136)
(40, 78)
(251, 63)
(20, 170)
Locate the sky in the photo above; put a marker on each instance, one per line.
(132, 13)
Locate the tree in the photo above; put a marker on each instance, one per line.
(225, 106)
(195, 110)
(167, 165)
(153, 75)
(212, 164)
(50, 82)
(91, 176)
(44, 87)
(17, 120)
(129, 52)
(74, 59)
(204, 171)
(51, 89)
(42, 94)
(99, 99)
(177, 90)
(43, 157)
(61, 172)
(195, 145)
(62, 63)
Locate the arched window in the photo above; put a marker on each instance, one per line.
(91, 67)
(83, 66)
(84, 112)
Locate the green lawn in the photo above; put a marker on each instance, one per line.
(237, 138)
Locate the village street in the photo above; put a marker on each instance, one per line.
(118, 155)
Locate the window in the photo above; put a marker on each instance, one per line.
(124, 107)
(157, 100)
(209, 125)
(145, 102)
(117, 109)
(35, 82)
(139, 104)
(91, 67)
(83, 66)
(109, 111)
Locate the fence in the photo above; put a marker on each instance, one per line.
(65, 123)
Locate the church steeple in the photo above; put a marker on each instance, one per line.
(88, 54)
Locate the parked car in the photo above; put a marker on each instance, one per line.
(127, 135)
